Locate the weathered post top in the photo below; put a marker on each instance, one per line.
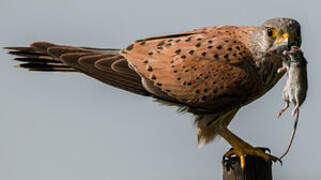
(256, 168)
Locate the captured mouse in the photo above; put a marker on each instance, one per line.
(296, 85)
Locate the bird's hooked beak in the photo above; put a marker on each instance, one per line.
(282, 40)
(282, 43)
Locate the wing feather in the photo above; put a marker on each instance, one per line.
(211, 69)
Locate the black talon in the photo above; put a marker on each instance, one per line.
(225, 158)
(265, 149)
(277, 159)
(280, 161)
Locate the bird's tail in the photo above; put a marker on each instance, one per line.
(36, 58)
(105, 65)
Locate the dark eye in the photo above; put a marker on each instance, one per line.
(269, 32)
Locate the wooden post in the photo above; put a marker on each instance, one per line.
(256, 168)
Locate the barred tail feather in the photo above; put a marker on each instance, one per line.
(34, 60)
(106, 65)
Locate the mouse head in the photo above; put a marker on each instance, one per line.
(296, 55)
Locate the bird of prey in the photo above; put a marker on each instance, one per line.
(210, 72)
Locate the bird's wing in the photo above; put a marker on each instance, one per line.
(106, 65)
(209, 68)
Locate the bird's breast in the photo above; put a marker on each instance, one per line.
(268, 72)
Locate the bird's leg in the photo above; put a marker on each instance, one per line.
(241, 148)
(283, 109)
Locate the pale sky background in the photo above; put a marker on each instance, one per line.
(72, 127)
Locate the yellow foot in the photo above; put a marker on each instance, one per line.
(254, 151)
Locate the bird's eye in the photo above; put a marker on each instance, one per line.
(271, 32)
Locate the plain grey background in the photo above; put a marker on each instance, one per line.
(70, 126)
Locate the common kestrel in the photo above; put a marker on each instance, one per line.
(210, 72)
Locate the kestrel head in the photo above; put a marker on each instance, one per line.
(274, 36)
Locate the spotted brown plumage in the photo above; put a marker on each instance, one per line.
(211, 72)
(204, 69)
